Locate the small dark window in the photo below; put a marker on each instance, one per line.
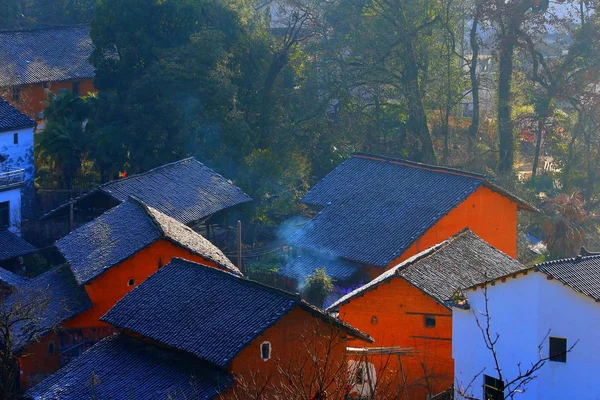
(429, 321)
(493, 389)
(2, 158)
(16, 138)
(374, 320)
(265, 351)
(4, 214)
(16, 91)
(558, 349)
(51, 348)
(75, 88)
(131, 282)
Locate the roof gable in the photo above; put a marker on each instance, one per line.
(186, 190)
(375, 207)
(124, 367)
(124, 231)
(582, 274)
(45, 55)
(455, 264)
(203, 311)
(11, 118)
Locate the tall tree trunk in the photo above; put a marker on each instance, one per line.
(473, 40)
(538, 146)
(566, 181)
(505, 124)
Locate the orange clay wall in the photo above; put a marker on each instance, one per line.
(294, 339)
(36, 361)
(110, 287)
(32, 97)
(394, 315)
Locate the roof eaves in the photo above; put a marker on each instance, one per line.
(522, 204)
(85, 195)
(328, 318)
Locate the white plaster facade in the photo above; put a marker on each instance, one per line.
(524, 310)
(17, 155)
(13, 197)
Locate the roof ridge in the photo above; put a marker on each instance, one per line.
(159, 167)
(45, 28)
(146, 208)
(436, 168)
(577, 258)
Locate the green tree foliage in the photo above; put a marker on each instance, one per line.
(318, 286)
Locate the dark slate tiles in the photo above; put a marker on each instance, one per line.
(306, 264)
(107, 240)
(458, 263)
(52, 298)
(122, 368)
(206, 312)
(374, 209)
(11, 118)
(12, 246)
(582, 274)
(45, 55)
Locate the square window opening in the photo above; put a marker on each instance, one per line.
(493, 388)
(558, 349)
(429, 321)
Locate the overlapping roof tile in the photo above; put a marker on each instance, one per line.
(45, 55)
(121, 367)
(186, 190)
(206, 312)
(11, 118)
(440, 271)
(12, 246)
(582, 274)
(306, 264)
(44, 303)
(122, 232)
(374, 208)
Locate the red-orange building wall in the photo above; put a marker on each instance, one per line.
(104, 292)
(394, 314)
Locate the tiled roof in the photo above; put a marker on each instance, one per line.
(306, 264)
(582, 274)
(45, 55)
(11, 118)
(204, 311)
(186, 190)
(375, 208)
(123, 231)
(56, 297)
(12, 246)
(457, 263)
(125, 368)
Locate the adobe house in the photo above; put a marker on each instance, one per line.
(195, 332)
(409, 306)
(185, 190)
(376, 212)
(35, 62)
(549, 312)
(106, 259)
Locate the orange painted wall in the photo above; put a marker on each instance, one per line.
(32, 97)
(110, 287)
(36, 361)
(294, 338)
(394, 315)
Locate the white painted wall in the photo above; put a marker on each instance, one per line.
(18, 156)
(13, 196)
(523, 311)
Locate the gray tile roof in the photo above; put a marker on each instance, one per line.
(125, 368)
(45, 55)
(374, 207)
(206, 312)
(11, 118)
(53, 297)
(122, 232)
(186, 190)
(12, 246)
(306, 264)
(582, 274)
(457, 263)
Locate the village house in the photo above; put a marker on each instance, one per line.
(409, 306)
(543, 319)
(185, 190)
(195, 332)
(17, 170)
(376, 212)
(36, 62)
(106, 259)
(12, 248)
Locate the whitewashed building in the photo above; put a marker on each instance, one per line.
(16, 165)
(549, 315)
